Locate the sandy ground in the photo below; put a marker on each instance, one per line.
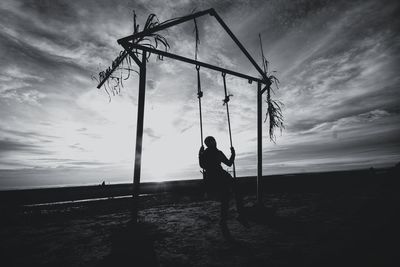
(307, 229)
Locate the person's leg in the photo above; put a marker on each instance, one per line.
(232, 184)
(238, 196)
(224, 196)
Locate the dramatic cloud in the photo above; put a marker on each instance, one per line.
(338, 63)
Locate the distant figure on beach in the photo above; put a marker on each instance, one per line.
(220, 181)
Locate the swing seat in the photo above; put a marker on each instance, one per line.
(209, 188)
(213, 186)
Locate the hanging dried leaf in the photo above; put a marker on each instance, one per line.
(274, 107)
(122, 64)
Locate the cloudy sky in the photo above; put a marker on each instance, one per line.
(338, 63)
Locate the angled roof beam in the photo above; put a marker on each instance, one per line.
(210, 11)
(238, 43)
(165, 25)
(195, 62)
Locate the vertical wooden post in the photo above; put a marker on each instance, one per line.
(139, 136)
(259, 143)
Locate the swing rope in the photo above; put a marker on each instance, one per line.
(199, 96)
(226, 101)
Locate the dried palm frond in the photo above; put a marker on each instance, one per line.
(122, 64)
(274, 107)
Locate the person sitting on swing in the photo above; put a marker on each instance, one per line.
(219, 180)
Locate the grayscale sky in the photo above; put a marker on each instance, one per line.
(338, 63)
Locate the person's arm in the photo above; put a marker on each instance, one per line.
(201, 157)
(225, 160)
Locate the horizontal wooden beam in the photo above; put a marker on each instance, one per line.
(195, 62)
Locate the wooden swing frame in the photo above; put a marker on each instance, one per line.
(128, 43)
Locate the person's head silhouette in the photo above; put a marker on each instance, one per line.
(210, 142)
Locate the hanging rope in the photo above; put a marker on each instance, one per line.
(199, 96)
(226, 101)
(196, 31)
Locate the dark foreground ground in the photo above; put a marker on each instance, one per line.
(354, 226)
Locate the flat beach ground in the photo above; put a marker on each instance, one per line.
(347, 228)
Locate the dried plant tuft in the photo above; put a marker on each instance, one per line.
(274, 107)
(122, 66)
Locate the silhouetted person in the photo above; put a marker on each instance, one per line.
(220, 181)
